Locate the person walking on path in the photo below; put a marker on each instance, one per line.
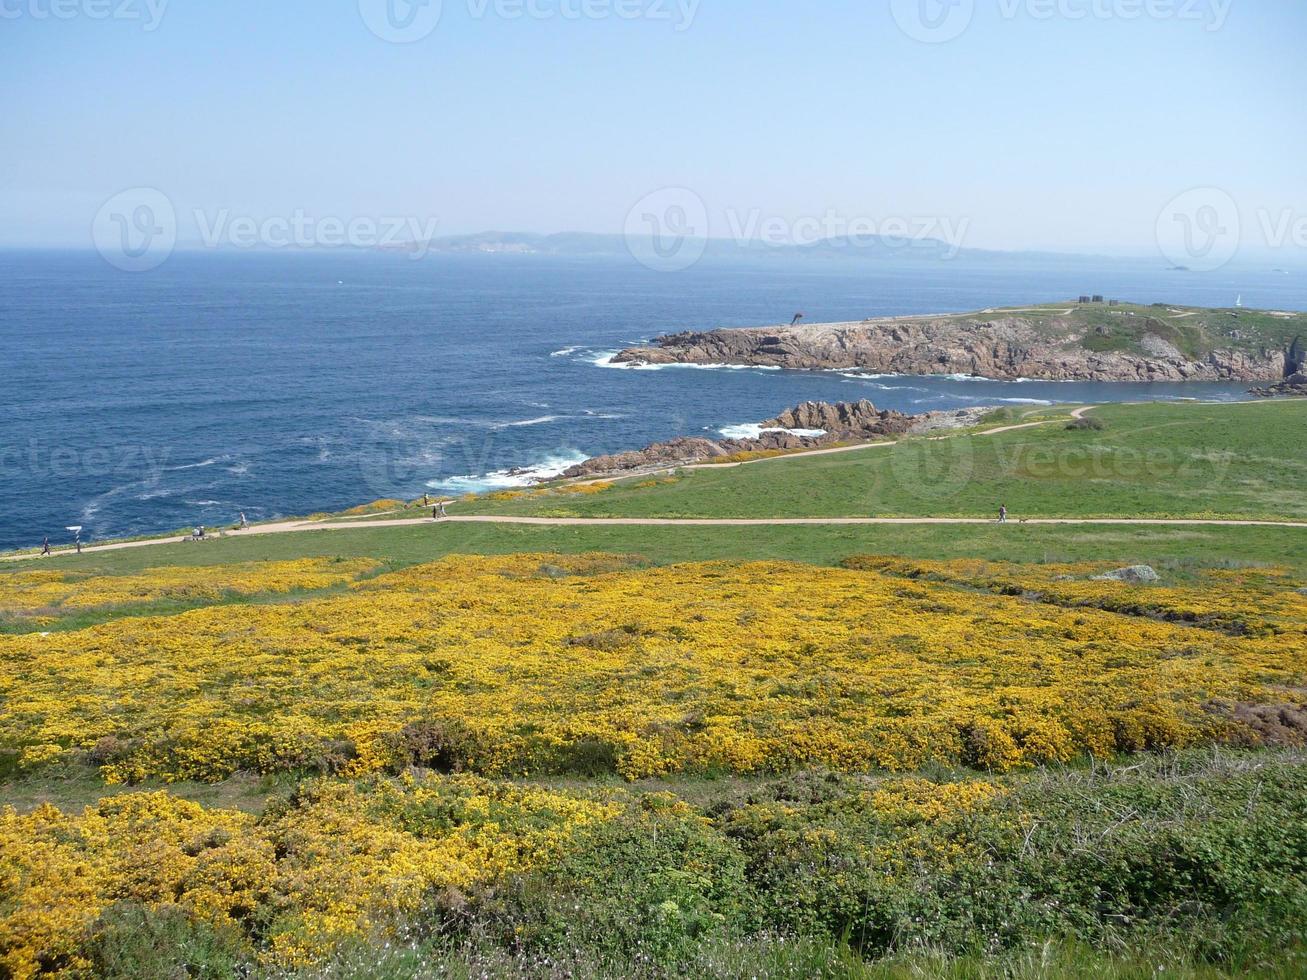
(244, 523)
(1002, 513)
(45, 546)
(438, 511)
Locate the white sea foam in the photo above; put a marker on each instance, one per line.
(546, 469)
(214, 461)
(755, 431)
(566, 351)
(605, 360)
(852, 373)
(542, 420)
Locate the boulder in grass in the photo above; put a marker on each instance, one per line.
(1134, 574)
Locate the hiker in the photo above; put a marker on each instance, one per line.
(45, 546)
(244, 523)
(426, 500)
(1002, 513)
(440, 508)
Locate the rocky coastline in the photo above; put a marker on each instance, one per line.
(1294, 386)
(1002, 347)
(795, 429)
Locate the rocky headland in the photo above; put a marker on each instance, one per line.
(796, 429)
(1082, 343)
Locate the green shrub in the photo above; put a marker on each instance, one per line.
(133, 943)
(654, 883)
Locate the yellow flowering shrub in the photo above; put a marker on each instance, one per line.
(57, 872)
(375, 507)
(25, 591)
(537, 663)
(341, 860)
(586, 489)
(1251, 601)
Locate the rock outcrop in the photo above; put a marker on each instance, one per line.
(1135, 574)
(1002, 346)
(1293, 385)
(842, 422)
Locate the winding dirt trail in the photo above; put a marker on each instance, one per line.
(302, 526)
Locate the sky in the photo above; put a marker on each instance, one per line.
(1074, 125)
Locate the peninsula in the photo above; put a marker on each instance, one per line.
(1078, 341)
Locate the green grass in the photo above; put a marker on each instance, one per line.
(1158, 460)
(1122, 328)
(403, 546)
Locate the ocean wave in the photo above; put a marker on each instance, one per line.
(213, 461)
(862, 379)
(605, 360)
(542, 420)
(546, 469)
(755, 431)
(853, 373)
(565, 352)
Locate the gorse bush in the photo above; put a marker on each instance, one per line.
(545, 664)
(452, 741)
(1204, 852)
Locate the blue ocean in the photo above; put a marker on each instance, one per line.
(287, 383)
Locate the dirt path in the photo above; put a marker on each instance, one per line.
(298, 527)
(346, 524)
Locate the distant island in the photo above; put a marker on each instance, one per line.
(1075, 341)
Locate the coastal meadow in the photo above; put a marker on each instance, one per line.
(588, 765)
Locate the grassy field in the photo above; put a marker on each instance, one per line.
(1149, 461)
(480, 750)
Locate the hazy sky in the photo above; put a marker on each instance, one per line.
(1067, 124)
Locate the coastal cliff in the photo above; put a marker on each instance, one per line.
(1094, 342)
